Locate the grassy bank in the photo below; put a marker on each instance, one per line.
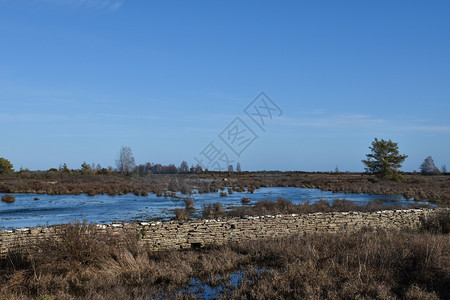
(87, 264)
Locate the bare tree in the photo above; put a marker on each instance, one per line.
(238, 167)
(230, 168)
(184, 168)
(125, 161)
(428, 167)
(444, 169)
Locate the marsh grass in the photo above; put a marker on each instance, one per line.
(189, 204)
(212, 210)
(438, 222)
(181, 213)
(8, 198)
(83, 262)
(284, 206)
(245, 200)
(416, 186)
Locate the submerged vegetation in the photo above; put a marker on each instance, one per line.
(86, 264)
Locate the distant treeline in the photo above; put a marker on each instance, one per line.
(141, 169)
(149, 168)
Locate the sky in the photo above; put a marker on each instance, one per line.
(182, 80)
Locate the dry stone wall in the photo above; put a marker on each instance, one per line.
(198, 233)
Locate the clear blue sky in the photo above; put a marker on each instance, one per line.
(81, 78)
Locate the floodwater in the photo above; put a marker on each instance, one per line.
(57, 209)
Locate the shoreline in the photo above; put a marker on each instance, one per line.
(436, 189)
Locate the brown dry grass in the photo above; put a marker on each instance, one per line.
(8, 198)
(84, 263)
(419, 187)
(284, 206)
(181, 214)
(213, 210)
(189, 204)
(439, 222)
(363, 266)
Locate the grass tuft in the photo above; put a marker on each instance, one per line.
(8, 198)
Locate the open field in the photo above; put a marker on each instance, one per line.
(86, 264)
(433, 188)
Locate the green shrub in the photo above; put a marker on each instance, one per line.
(6, 166)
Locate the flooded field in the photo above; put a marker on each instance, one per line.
(56, 209)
